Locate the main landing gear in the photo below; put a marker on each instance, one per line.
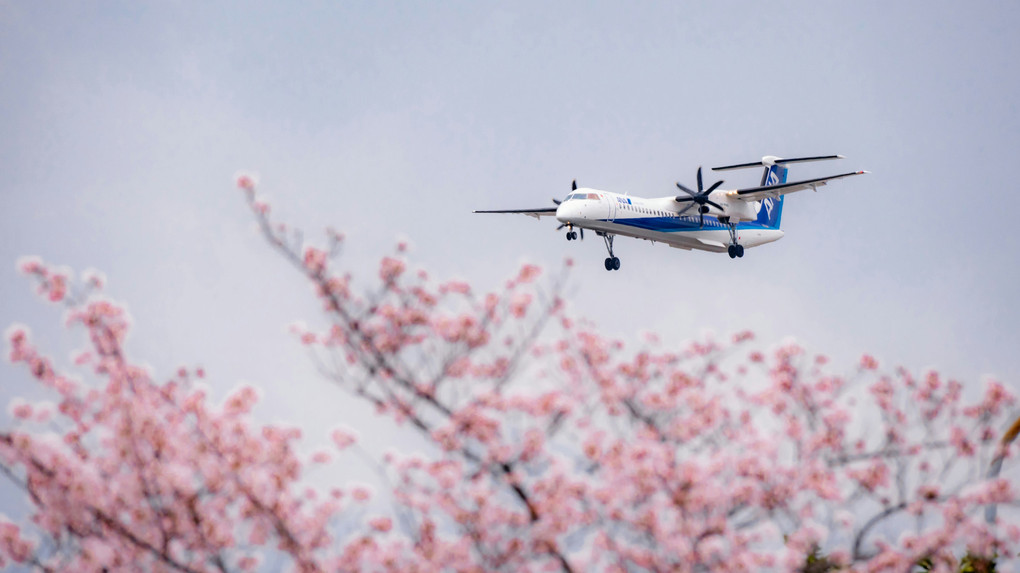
(612, 262)
(735, 250)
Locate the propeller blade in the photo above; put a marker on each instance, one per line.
(699, 180)
(685, 190)
(716, 205)
(701, 218)
(713, 187)
(685, 209)
(557, 201)
(679, 199)
(561, 226)
(573, 186)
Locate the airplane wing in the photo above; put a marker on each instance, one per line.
(757, 193)
(536, 213)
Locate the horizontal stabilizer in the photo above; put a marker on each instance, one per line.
(772, 160)
(758, 193)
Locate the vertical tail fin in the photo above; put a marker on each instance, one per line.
(770, 213)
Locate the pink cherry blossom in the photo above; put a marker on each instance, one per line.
(381, 524)
(519, 303)
(544, 445)
(246, 181)
(321, 457)
(868, 362)
(315, 260)
(390, 269)
(528, 273)
(21, 410)
(343, 438)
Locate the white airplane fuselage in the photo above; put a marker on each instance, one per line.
(658, 220)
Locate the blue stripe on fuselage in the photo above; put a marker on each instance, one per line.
(678, 225)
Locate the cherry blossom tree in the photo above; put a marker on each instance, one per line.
(549, 445)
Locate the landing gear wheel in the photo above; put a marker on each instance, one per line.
(732, 251)
(740, 250)
(609, 264)
(616, 264)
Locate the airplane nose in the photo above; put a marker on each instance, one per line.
(567, 212)
(561, 212)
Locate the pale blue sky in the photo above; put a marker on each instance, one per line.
(123, 123)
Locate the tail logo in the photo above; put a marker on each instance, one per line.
(768, 203)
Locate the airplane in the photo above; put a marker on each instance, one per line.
(712, 219)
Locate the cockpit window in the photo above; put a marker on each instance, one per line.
(573, 196)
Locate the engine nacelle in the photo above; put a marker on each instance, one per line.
(736, 209)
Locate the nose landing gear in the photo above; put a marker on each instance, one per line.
(571, 233)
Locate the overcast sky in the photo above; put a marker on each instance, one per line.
(123, 124)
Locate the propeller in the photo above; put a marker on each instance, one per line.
(700, 198)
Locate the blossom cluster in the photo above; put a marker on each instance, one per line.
(549, 445)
